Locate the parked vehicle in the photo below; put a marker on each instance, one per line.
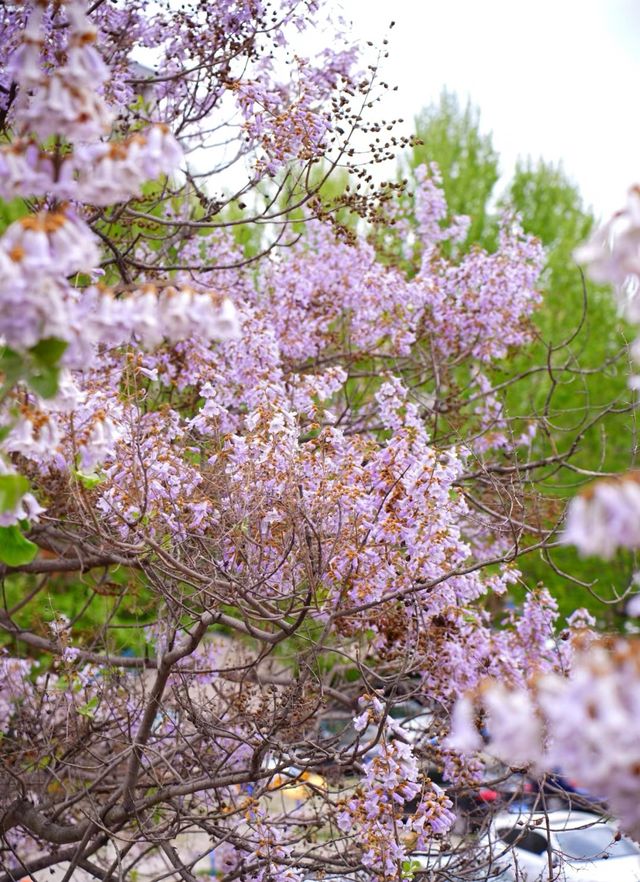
(500, 789)
(576, 846)
(357, 876)
(414, 719)
(568, 793)
(294, 783)
(345, 747)
(462, 864)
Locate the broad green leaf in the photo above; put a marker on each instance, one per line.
(12, 489)
(12, 211)
(44, 381)
(49, 351)
(88, 481)
(15, 549)
(39, 366)
(12, 365)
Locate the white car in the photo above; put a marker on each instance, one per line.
(561, 845)
(464, 865)
(413, 719)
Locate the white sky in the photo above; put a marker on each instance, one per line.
(552, 78)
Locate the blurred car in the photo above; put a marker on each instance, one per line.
(345, 747)
(499, 789)
(568, 793)
(356, 876)
(577, 846)
(464, 864)
(323, 876)
(414, 719)
(293, 782)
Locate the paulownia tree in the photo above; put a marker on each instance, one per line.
(284, 461)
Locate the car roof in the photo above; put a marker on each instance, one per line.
(558, 820)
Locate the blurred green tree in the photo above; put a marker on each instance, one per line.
(451, 136)
(580, 340)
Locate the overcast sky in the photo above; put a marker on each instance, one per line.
(553, 78)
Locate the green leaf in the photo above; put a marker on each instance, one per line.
(10, 360)
(12, 211)
(39, 366)
(44, 381)
(12, 365)
(49, 351)
(88, 709)
(88, 481)
(12, 489)
(15, 549)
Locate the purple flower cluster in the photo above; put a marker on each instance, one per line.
(39, 252)
(480, 306)
(375, 812)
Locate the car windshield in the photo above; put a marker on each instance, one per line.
(592, 842)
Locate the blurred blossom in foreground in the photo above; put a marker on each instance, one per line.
(587, 724)
(605, 516)
(612, 253)
(612, 256)
(633, 605)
